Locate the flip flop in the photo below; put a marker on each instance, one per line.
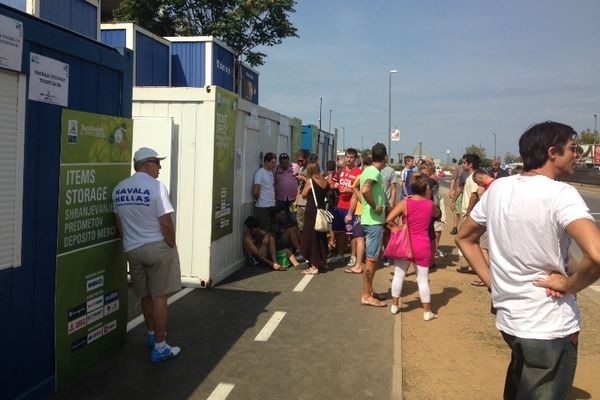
(477, 283)
(373, 302)
(311, 271)
(351, 271)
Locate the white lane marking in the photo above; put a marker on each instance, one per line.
(595, 288)
(270, 327)
(303, 283)
(221, 391)
(140, 318)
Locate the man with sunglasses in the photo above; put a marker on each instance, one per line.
(143, 216)
(531, 219)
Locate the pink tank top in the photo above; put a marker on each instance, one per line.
(420, 213)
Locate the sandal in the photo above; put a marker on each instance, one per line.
(477, 283)
(465, 270)
(349, 270)
(311, 271)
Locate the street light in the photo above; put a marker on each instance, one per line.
(362, 138)
(389, 132)
(495, 134)
(595, 118)
(329, 121)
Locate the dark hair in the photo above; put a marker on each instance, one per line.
(284, 156)
(378, 152)
(269, 157)
(302, 152)
(535, 142)
(352, 152)
(408, 158)
(472, 159)
(314, 157)
(312, 169)
(251, 223)
(419, 184)
(367, 160)
(330, 165)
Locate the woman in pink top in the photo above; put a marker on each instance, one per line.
(417, 211)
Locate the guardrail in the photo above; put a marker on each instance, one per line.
(587, 176)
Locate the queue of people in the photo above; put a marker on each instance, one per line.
(513, 231)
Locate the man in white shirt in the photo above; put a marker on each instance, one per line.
(263, 191)
(530, 219)
(143, 216)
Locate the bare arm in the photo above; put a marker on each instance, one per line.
(168, 229)
(467, 241)
(472, 201)
(393, 194)
(366, 192)
(256, 190)
(398, 210)
(253, 250)
(587, 236)
(307, 187)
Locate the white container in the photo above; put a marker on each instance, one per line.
(192, 110)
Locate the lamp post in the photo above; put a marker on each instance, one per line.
(362, 141)
(389, 131)
(329, 121)
(595, 118)
(495, 134)
(343, 138)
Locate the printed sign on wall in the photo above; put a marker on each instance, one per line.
(224, 163)
(48, 80)
(11, 43)
(91, 280)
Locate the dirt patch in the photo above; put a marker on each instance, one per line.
(461, 355)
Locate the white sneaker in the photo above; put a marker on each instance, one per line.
(439, 253)
(428, 316)
(460, 254)
(394, 309)
(352, 262)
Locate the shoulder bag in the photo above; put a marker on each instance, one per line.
(399, 246)
(324, 217)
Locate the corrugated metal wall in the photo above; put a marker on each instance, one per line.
(222, 68)
(113, 37)
(100, 82)
(151, 62)
(77, 15)
(188, 64)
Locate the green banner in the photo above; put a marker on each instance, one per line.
(91, 280)
(296, 137)
(224, 163)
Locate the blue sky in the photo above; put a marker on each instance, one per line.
(466, 70)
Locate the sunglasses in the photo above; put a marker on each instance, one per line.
(157, 162)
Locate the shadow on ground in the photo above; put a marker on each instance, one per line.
(205, 324)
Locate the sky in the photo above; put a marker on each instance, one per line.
(466, 70)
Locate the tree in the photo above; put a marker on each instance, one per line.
(508, 157)
(242, 24)
(479, 150)
(588, 137)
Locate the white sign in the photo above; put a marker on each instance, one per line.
(48, 80)
(11, 43)
(396, 135)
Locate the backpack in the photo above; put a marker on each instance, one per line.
(331, 199)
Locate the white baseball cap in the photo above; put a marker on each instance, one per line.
(144, 153)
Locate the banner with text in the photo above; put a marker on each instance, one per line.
(91, 280)
(224, 163)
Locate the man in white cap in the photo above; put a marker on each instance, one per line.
(143, 216)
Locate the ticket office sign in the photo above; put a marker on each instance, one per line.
(91, 280)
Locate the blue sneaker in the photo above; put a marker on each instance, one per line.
(150, 341)
(165, 354)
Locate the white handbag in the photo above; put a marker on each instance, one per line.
(324, 217)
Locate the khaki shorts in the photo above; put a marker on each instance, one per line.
(484, 242)
(300, 216)
(154, 269)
